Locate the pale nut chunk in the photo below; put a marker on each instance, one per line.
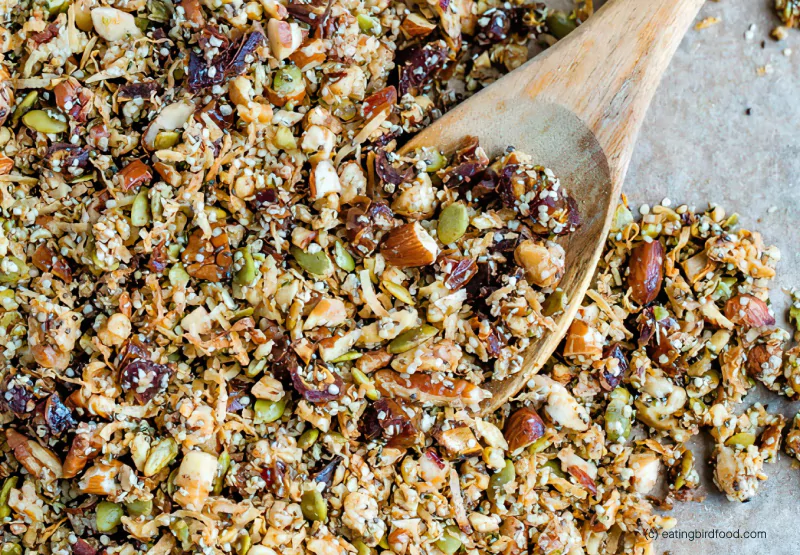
(268, 388)
(101, 478)
(322, 117)
(361, 515)
(416, 26)
(171, 118)
(352, 180)
(410, 246)
(255, 112)
(197, 322)
(543, 264)
(561, 406)
(115, 330)
(284, 38)
(261, 550)
(318, 140)
(240, 90)
(737, 472)
(114, 25)
(305, 411)
(324, 180)
(24, 501)
(302, 237)
(311, 54)
(418, 201)
(195, 479)
(352, 84)
(37, 460)
(484, 524)
(491, 434)
(646, 468)
(275, 9)
(333, 347)
(583, 341)
(328, 312)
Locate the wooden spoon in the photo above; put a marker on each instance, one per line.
(577, 109)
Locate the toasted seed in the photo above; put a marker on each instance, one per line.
(16, 269)
(498, 481)
(41, 121)
(11, 549)
(108, 516)
(742, 439)
(399, 292)
(343, 258)
(368, 24)
(247, 274)
(140, 211)
(555, 468)
(166, 139)
(434, 160)
(313, 506)
(139, 507)
(617, 424)
(361, 548)
(555, 303)
(308, 438)
(348, 356)
(25, 106)
(316, 263)
(223, 465)
(411, 338)
(178, 276)
(560, 24)
(243, 543)
(161, 454)
(269, 411)
(180, 529)
(453, 223)
(450, 542)
(9, 484)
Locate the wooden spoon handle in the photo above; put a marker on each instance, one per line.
(618, 56)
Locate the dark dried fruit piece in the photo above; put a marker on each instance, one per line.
(319, 385)
(273, 476)
(229, 63)
(47, 260)
(523, 428)
(73, 99)
(364, 221)
(134, 175)
(646, 266)
(211, 259)
(748, 311)
(326, 473)
(131, 91)
(388, 173)
(421, 67)
(493, 26)
(54, 416)
(145, 378)
(459, 272)
(66, 158)
(82, 547)
(611, 379)
(391, 420)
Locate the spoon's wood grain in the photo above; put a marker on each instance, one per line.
(577, 108)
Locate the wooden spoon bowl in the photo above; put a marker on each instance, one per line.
(577, 109)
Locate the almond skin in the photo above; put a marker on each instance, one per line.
(646, 272)
(409, 246)
(748, 311)
(523, 428)
(134, 175)
(422, 387)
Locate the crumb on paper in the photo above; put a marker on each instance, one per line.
(706, 23)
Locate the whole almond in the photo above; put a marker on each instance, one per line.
(646, 272)
(523, 428)
(409, 246)
(748, 311)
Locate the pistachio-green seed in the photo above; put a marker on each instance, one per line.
(139, 507)
(361, 548)
(560, 24)
(107, 516)
(555, 468)
(11, 549)
(308, 438)
(161, 454)
(247, 274)
(166, 139)
(25, 106)
(450, 542)
(16, 270)
(41, 121)
(223, 465)
(368, 24)
(140, 211)
(499, 480)
(316, 263)
(453, 223)
(287, 80)
(269, 411)
(243, 543)
(411, 339)
(742, 439)
(343, 258)
(313, 506)
(555, 303)
(434, 160)
(399, 292)
(9, 484)
(348, 356)
(180, 529)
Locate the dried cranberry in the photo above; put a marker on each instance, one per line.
(229, 63)
(81, 547)
(266, 197)
(388, 173)
(391, 420)
(315, 390)
(487, 185)
(421, 66)
(65, 158)
(326, 473)
(238, 389)
(607, 379)
(18, 398)
(273, 476)
(145, 378)
(132, 91)
(493, 26)
(50, 32)
(460, 272)
(158, 258)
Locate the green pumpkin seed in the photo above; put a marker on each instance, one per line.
(453, 223)
(316, 263)
(555, 303)
(171, 480)
(161, 454)
(181, 530)
(555, 468)
(539, 445)
(108, 516)
(360, 378)
(223, 465)
(284, 138)
(622, 218)
(178, 276)
(308, 438)
(345, 109)
(742, 439)
(450, 542)
(243, 544)
(399, 292)
(362, 548)
(159, 11)
(348, 356)
(247, 274)
(269, 411)
(140, 211)
(560, 24)
(368, 24)
(313, 506)
(498, 482)
(25, 106)
(617, 424)
(411, 339)
(724, 290)
(9, 484)
(434, 160)
(11, 549)
(57, 6)
(255, 367)
(41, 121)
(139, 507)
(15, 269)
(288, 79)
(343, 258)
(166, 139)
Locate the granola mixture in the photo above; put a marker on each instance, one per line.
(789, 12)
